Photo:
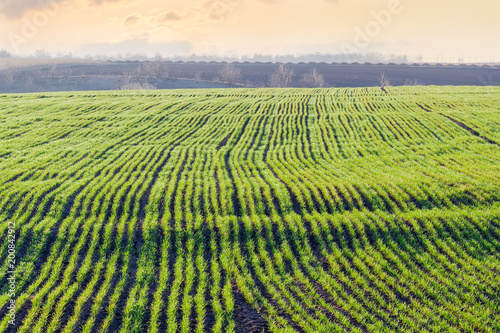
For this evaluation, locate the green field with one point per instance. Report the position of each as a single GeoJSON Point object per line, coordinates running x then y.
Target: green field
{"type": "Point", "coordinates": [326, 210]}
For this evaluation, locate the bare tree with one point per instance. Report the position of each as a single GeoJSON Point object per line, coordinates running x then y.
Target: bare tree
{"type": "Point", "coordinates": [10, 75]}
{"type": "Point", "coordinates": [384, 80]}
{"type": "Point", "coordinates": [156, 70]}
{"type": "Point", "coordinates": [282, 77]}
{"type": "Point", "coordinates": [64, 73]}
{"type": "Point", "coordinates": [313, 79]}
{"type": "Point", "coordinates": [53, 70]}
{"type": "Point", "coordinates": [197, 76]}
{"type": "Point", "coordinates": [32, 77]}
{"type": "Point", "coordinates": [145, 76]}
{"type": "Point", "coordinates": [230, 74]}
{"type": "Point", "coordinates": [131, 77]}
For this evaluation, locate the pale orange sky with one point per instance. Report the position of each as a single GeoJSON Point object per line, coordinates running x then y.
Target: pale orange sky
{"type": "Point", "coordinates": [244, 27]}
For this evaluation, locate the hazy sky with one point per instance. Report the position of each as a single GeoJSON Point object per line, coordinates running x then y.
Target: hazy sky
{"type": "Point", "coordinates": [235, 27]}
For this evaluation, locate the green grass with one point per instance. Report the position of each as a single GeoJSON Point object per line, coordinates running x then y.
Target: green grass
{"type": "Point", "coordinates": [326, 210]}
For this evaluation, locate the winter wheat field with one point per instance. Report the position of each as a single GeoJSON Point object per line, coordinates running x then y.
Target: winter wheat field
{"type": "Point", "coordinates": [251, 210]}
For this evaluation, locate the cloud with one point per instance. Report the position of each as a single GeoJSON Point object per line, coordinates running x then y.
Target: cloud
{"type": "Point", "coordinates": [100, 2]}
{"type": "Point", "coordinates": [201, 11]}
{"type": "Point", "coordinates": [171, 15]}
{"type": "Point", "coordinates": [219, 9]}
{"type": "Point", "coordinates": [17, 8]}
{"type": "Point", "coordinates": [132, 19]}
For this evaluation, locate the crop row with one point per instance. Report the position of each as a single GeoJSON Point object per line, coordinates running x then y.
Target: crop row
{"type": "Point", "coordinates": [281, 210]}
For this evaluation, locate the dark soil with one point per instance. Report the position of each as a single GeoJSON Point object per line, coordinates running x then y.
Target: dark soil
{"type": "Point", "coordinates": [470, 130]}
{"type": "Point", "coordinates": [247, 319]}
{"type": "Point", "coordinates": [192, 75]}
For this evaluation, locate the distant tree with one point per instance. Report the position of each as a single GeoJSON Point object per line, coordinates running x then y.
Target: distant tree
{"type": "Point", "coordinates": [5, 54]}
{"type": "Point", "coordinates": [384, 80]}
{"type": "Point", "coordinates": [230, 74]}
{"type": "Point", "coordinates": [313, 79]}
{"type": "Point", "coordinates": [282, 77]}
{"type": "Point", "coordinates": [42, 54]}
